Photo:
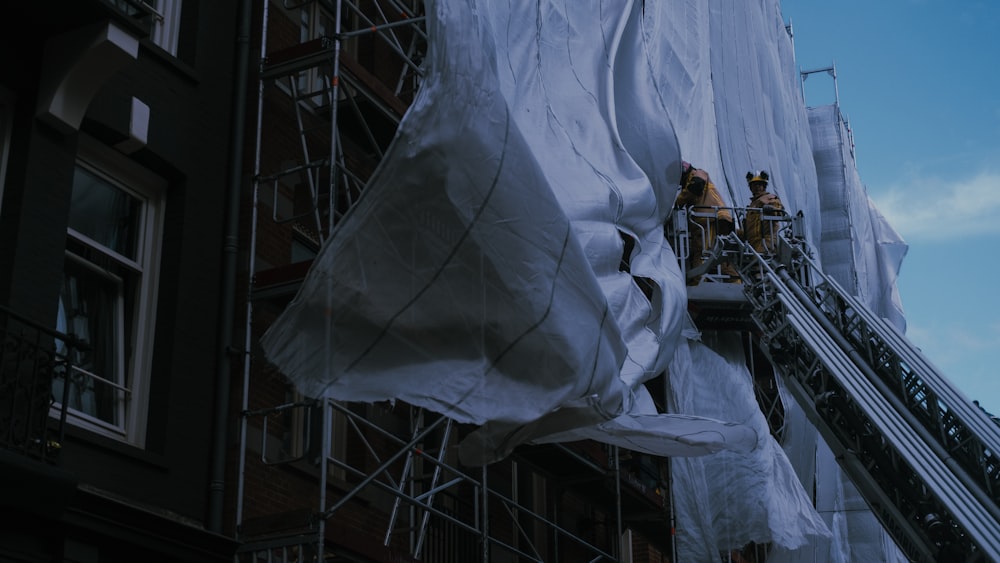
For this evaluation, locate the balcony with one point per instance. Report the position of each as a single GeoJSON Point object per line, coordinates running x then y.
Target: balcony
{"type": "Point", "coordinates": [31, 357]}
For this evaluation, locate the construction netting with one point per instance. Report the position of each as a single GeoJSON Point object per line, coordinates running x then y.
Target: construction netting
{"type": "Point", "coordinates": [481, 274]}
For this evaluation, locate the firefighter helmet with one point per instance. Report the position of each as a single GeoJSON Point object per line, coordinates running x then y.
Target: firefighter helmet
{"type": "Point", "coordinates": [757, 176]}
{"type": "Point", "coordinates": [686, 170]}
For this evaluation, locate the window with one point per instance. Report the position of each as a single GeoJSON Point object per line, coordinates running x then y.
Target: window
{"type": "Point", "coordinates": [108, 295]}
{"type": "Point", "coordinates": [167, 24]}
{"type": "Point", "coordinates": [304, 247]}
{"type": "Point", "coordinates": [315, 22]}
{"type": "Point", "coordinates": [6, 114]}
{"type": "Point", "coordinates": [305, 437]}
{"type": "Point", "coordinates": [166, 18]}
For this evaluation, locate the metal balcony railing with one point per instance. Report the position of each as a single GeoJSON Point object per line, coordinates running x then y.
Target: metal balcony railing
{"type": "Point", "coordinates": [29, 363]}
{"type": "Point", "coordinates": [135, 9]}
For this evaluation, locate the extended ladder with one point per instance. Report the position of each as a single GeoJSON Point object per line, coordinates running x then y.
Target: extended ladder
{"type": "Point", "coordinates": [922, 454]}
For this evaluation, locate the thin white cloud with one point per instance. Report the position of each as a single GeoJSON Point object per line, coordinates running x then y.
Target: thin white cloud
{"type": "Point", "coordinates": [960, 353]}
{"type": "Point", "coordinates": [936, 208]}
{"type": "Point", "coordinates": [951, 344]}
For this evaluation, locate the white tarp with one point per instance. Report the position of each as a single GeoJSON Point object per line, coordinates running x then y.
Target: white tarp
{"type": "Point", "coordinates": [735, 101]}
{"type": "Point", "coordinates": [851, 223]}
{"type": "Point", "coordinates": [727, 500]}
{"type": "Point", "coordinates": [480, 274]}
{"type": "Point", "coordinates": [863, 253]}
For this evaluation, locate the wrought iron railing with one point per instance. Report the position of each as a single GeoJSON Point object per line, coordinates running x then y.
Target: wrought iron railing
{"type": "Point", "coordinates": [135, 9]}
{"type": "Point", "coordinates": [31, 357]}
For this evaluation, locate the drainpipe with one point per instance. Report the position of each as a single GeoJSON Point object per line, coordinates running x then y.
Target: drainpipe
{"type": "Point", "coordinates": [230, 250]}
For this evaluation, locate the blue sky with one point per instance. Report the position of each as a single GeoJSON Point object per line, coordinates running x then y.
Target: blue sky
{"type": "Point", "coordinates": [919, 83]}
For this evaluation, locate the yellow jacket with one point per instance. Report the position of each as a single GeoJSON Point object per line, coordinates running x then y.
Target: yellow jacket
{"type": "Point", "coordinates": [705, 201]}
{"type": "Point", "coordinates": [760, 235]}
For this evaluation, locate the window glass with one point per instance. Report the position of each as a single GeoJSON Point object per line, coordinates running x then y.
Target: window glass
{"type": "Point", "coordinates": [166, 28]}
{"type": "Point", "coordinates": [106, 305]}
{"type": "Point", "coordinates": [315, 22]}
{"type": "Point", "coordinates": [165, 16]}
{"type": "Point", "coordinates": [90, 309]}
{"type": "Point", "coordinates": [6, 113]}
{"type": "Point", "coordinates": [302, 248]}
{"type": "Point", "coordinates": [104, 213]}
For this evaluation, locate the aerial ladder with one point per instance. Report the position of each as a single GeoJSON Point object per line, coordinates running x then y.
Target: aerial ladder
{"type": "Point", "coordinates": [923, 456]}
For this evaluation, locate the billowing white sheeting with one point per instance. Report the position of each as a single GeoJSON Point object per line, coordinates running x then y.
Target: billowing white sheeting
{"type": "Point", "coordinates": [680, 61]}
{"type": "Point", "coordinates": [800, 442]}
{"type": "Point", "coordinates": [676, 435]}
{"type": "Point", "coordinates": [604, 136]}
{"type": "Point", "coordinates": [847, 255]}
{"type": "Point", "coordinates": [851, 222]}
{"type": "Point", "coordinates": [890, 250]}
{"type": "Point", "coordinates": [731, 88]}
{"type": "Point", "coordinates": [480, 274]}
{"type": "Point", "coordinates": [457, 283]}
{"type": "Point", "coordinates": [863, 253]}
{"type": "Point", "coordinates": [733, 96]}
{"type": "Point", "coordinates": [761, 118]}
{"type": "Point", "coordinates": [727, 500]}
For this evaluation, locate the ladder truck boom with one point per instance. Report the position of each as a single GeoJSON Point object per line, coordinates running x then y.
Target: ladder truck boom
{"type": "Point", "coordinates": [924, 457]}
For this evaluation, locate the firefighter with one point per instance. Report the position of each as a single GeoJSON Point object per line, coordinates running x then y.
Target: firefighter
{"type": "Point", "coordinates": [699, 194]}
{"type": "Point", "coordinates": [761, 234]}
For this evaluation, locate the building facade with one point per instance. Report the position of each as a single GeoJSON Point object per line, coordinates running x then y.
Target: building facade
{"type": "Point", "coordinates": [115, 125]}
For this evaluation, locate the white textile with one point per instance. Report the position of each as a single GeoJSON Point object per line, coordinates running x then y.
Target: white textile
{"type": "Point", "coordinates": [726, 500]}
{"type": "Point", "coordinates": [480, 275]}
{"type": "Point", "coordinates": [483, 273]}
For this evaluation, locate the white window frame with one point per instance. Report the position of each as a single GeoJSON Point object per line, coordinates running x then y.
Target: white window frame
{"type": "Point", "coordinates": [310, 20]}
{"type": "Point", "coordinates": [117, 379]}
{"type": "Point", "coordinates": [136, 363]}
{"type": "Point", "coordinates": [166, 25]}
{"type": "Point", "coordinates": [307, 434]}
{"type": "Point", "coordinates": [6, 116]}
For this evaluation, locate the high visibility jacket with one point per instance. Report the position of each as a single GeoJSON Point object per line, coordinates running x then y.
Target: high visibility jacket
{"type": "Point", "coordinates": [702, 236]}
{"type": "Point", "coordinates": [708, 198]}
{"type": "Point", "coordinates": [759, 233]}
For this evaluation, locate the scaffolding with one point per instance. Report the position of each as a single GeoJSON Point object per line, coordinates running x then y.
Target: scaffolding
{"type": "Point", "coordinates": [320, 479]}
